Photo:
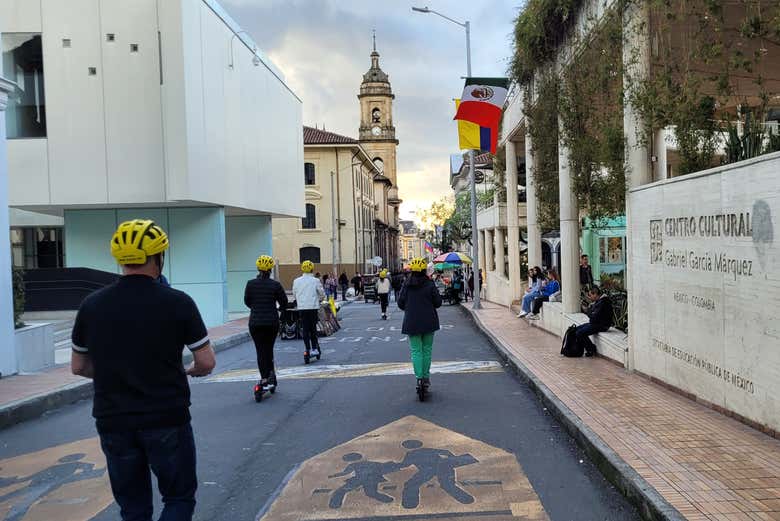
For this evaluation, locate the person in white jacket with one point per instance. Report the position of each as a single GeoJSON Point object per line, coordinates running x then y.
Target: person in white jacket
{"type": "Point", "coordinates": [308, 293]}
{"type": "Point", "coordinates": [383, 292]}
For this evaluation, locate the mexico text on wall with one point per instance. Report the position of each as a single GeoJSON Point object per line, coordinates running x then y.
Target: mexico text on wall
{"type": "Point", "coordinates": [705, 273]}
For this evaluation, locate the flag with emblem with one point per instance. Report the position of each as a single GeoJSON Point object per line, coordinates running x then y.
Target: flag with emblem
{"type": "Point", "coordinates": [482, 101]}
{"type": "Point", "coordinates": [474, 137]}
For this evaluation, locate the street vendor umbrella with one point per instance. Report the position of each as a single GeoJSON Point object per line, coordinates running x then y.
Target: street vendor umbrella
{"type": "Point", "coordinates": [453, 257]}
{"type": "Point", "coordinates": [441, 266]}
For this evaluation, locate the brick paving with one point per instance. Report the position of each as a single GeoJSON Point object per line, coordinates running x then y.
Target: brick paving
{"type": "Point", "coordinates": [20, 387]}
{"type": "Point", "coordinates": [708, 466]}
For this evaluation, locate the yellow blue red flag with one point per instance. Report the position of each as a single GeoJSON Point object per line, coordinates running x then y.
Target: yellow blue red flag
{"type": "Point", "coordinates": [475, 137]}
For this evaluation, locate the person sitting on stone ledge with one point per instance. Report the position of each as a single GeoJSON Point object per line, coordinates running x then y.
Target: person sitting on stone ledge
{"type": "Point", "coordinates": [534, 290]}
{"type": "Point", "coordinates": [551, 286]}
{"type": "Point", "coordinates": [600, 314]}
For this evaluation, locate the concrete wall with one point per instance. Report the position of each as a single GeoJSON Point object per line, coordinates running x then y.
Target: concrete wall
{"type": "Point", "coordinates": [704, 307]}
{"type": "Point", "coordinates": [7, 352]}
{"type": "Point", "coordinates": [144, 130]}
{"type": "Point", "coordinates": [195, 262]}
{"type": "Point", "coordinates": [247, 238]}
{"type": "Point", "coordinates": [497, 289]}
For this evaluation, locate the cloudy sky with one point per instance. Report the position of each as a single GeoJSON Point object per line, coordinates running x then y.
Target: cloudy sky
{"type": "Point", "coordinates": [323, 47]}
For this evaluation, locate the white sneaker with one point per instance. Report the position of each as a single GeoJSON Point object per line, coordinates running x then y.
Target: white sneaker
{"type": "Point", "coordinates": [522, 314]}
{"type": "Point", "coordinates": [533, 317]}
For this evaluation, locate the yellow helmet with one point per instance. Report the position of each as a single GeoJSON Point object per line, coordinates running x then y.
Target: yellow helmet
{"type": "Point", "coordinates": [134, 241]}
{"type": "Point", "coordinates": [383, 273]}
{"type": "Point", "coordinates": [307, 266]}
{"type": "Point", "coordinates": [418, 264]}
{"type": "Point", "coordinates": [265, 263]}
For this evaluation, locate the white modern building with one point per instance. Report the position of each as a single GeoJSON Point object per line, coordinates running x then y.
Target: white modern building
{"type": "Point", "coordinates": [160, 109]}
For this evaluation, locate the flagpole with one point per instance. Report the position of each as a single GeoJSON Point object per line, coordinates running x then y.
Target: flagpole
{"type": "Point", "coordinates": [476, 304]}
{"type": "Point", "coordinates": [472, 176]}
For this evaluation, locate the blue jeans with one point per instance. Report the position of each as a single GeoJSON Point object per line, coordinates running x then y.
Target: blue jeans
{"type": "Point", "coordinates": [170, 452]}
{"type": "Point", "coordinates": [583, 337]}
{"type": "Point", "coordinates": [528, 299]}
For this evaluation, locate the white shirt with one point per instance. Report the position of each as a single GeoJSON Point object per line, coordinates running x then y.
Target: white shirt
{"type": "Point", "coordinates": [308, 292]}
{"type": "Point", "coordinates": [383, 285]}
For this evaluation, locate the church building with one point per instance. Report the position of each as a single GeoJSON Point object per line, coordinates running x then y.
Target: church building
{"type": "Point", "coordinates": [351, 191]}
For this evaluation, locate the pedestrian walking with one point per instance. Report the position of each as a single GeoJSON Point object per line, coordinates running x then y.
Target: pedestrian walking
{"type": "Point", "coordinates": [357, 283]}
{"type": "Point", "coordinates": [397, 281]}
{"type": "Point", "coordinates": [419, 299]}
{"type": "Point", "coordinates": [308, 295]}
{"type": "Point", "coordinates": [332, 288]}
{"type": "Point", "coordinates": [343, 284]}
{"type": "Point", "coordinates": [262, 295]}
{"type": "Point", "coordinates": [128, 338]}
{"type": "Point", "coordinates": [383, 292]}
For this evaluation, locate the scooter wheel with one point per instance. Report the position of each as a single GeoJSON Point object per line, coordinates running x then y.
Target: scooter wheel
{"type": "Point", "coordinates": [421, 394]}
{"type": "Point", "coordinates": [259, 397]}
{"type": "Point", "coordinates": [306, 359]}
{"type": "Point", "coordinates": [318, 356]}
{"type": "Point", "coordinates": [272, 389]}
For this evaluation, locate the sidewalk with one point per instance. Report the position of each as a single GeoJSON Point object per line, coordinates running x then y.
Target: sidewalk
{"type": "Point", "coordinates": [704, 464]}
{"type": "Point", "coordinates": [27, 396]}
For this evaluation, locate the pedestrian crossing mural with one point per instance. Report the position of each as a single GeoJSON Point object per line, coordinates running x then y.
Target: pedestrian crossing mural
{"type": "Point", "coordinates": [68, 483]}
{"type": "Point", "coordinates": [408, 469]}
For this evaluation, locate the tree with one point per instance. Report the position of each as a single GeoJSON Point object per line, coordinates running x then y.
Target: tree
{"type": "Point", "coordinates": [437, 214]}
{"type": "Point", "coordinates": [458, 226]}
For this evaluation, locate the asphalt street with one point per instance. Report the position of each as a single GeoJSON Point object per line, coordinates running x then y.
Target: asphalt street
{"type": "Point", "coordinates": [343, 438]}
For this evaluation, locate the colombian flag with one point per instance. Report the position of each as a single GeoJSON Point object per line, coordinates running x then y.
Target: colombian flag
{"type": "Point", "coordinates": [481, 104]}
{"type": "Point", "coordinates": [428, 247]}
{"type": "Point", "coordinates": [474, 137]}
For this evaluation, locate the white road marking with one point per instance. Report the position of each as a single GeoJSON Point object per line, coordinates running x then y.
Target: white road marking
{"type": "Point", "coordinates": [358, 370]}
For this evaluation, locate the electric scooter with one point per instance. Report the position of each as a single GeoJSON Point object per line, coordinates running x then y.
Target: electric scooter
{"type": "Point", "coordinates": [261, 389]}
{"type": "Point", "coordinates": [315, 353]}
{"type": "Point", "coordinates": [422, 388]}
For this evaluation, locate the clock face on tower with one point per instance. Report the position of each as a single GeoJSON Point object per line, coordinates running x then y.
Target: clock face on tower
{"type": "Point", "coordinates": [376, 131]}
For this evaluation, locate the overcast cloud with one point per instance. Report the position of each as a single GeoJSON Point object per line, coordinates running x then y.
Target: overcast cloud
{"type": "Point", "coordinates": [323, 48]}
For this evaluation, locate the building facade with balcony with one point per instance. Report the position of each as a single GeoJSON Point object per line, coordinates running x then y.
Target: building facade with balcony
{"type": "Point", "coordinates": [148, 109]}
{"type": "Point", "coordinates": [338, 232]}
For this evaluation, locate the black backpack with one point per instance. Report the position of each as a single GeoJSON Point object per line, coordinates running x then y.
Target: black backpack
{"type": "Point", "coordinates": [570, 347]}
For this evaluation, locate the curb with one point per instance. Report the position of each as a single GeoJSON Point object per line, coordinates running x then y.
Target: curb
{"type": "Point", "coordinates": [651, 505]}
{"type": "Point", "coordinates": [38, 405]}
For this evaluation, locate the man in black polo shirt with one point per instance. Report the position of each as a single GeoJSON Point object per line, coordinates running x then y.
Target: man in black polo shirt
{"type": "Point", "coordinates": [128, 337]}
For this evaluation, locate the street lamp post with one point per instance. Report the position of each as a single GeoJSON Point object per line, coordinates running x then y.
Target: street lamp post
{"type": "Point", "coordinates": [472, 175]}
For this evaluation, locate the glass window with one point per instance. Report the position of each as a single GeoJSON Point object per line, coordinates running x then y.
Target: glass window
{"type": "Point", "coordinates": [611, 250]}
{"type": "Point", "coordinates": [25, 116]}
{"type": "Point", "coordinates": [310, 221]}
{"type": "Point", "coordinates": [308, 173]}
{"type": "Point", "coordinates": [310, 253]}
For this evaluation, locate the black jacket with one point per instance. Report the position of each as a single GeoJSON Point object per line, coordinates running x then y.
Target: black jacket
{"type": "Point", "coordinates": [586, 275]}
{"type": "Point", "coordinates": [419, 299]}
{"type": "Point", "coordinates": [600, 313]}
{"type": "Point", "coordinates": [261, 296]}
{"type": "Point", "coordinates": [343, 280]}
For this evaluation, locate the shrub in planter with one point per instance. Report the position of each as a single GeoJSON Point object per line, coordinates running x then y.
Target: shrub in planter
{"type": "Point", "coordinates": [18, 284]}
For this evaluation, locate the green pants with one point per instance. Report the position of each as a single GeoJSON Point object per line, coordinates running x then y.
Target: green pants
{"type": "Point", "coordinates": [421, 347]}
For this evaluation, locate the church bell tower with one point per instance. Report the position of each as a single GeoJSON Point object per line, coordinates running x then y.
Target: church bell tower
{"type": "Point", "coordinates": [377, 133]}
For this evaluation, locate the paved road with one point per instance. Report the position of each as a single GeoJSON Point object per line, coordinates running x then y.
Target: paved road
{"type": "Point", "coordinates": [343, 438]}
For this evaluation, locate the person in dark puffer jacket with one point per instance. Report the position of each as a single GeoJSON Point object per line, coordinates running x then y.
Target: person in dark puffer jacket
{"type": "Point", "coordinates": [261, 296]}
{"type": "Point", "coordinates": [419, 299]}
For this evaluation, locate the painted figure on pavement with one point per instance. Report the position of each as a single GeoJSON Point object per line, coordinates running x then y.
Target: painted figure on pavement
{"type": "Point", "coordinates": [430, 463]}
{"type": "Point", "coordinates": [68, 470]}
{"type": "Point", "coordinates": [366, 474]}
